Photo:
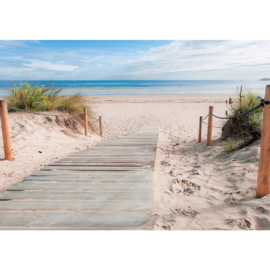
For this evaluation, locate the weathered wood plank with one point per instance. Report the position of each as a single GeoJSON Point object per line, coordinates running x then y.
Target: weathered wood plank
{"type": "Point", "coordinates": [75, 206]}
{"type": "Point", "coordinates": [80, 163]}
{"type": "Point", "coordinates": [107, 159]}
{"type": "Point", "coordinates": [139, 154]}
{"type": "Point", "coordinates": [90, 168]}
{"type": "Point", "coordinates": [52, 219]}
{"type": "Point", "coordinates": [102, 179]}
{"type": "Point", "coordinates": [96, 173]}
{"type": "Point", "coordinates": [75, 196]}
{"type": "Point", "coordinates": [115, 155]}
{"type": "Point", "coordinates": [83, 187]}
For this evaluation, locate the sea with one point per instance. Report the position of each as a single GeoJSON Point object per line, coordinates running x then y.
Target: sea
{"type": "Point", "coordinates": [141, 87]}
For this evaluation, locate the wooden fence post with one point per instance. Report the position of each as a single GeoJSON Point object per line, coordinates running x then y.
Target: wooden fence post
{"type": "Point", "coordinates": [85, 122]}
{"type": "Point", "coordinates": [5, 130]}
{"type": "Point", "coordinates": [200, 130]}
{"type": "Point", "coordinates": [210, 123]}
{"type": "Point", "coordinates": [100, 126]}
{"type": "Point", "coordinates": [263, 181]}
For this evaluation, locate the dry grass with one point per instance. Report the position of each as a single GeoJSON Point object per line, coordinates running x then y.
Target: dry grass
{"type": "Point", "coordinates": [44, 99]}
{"type": "Point", "coordinates": [35, 99]}
{"type": "Point", "coordinates": [246, 127]}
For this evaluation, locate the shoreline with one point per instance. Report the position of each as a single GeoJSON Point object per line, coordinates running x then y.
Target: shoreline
{"type": "Point", "coordinates": [215, 98]}
{"type": "Point", "coordinates": [117, 90]}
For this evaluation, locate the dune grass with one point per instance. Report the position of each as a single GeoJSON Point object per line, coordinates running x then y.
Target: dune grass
{"type": "Point", "coordinates": [35, 98]}
{"type": "Point", "coordinates": [247, 127]}
{"type": "Point", "coordinates": [246, 101]}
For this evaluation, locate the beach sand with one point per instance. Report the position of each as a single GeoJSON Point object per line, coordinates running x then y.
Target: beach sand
{"type": "Point", "coordinates": [195, 187]}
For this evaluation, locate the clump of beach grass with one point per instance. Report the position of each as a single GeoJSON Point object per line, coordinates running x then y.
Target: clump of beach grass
{"type": "Point", "coordinates": [39, 98]}
{"type": "Point", "coordinates": [35, 98]}
{"type": "Point", "coordinates": [229, 147]}
{"type": "Point", "coordinates": [246, 127]}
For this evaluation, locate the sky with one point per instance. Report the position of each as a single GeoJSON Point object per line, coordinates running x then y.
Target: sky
{"type": "Point", "coordinates": [134, 60]}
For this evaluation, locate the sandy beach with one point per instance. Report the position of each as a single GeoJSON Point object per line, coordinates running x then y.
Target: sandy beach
{"type": "Point", "coordinates": [195, 187]}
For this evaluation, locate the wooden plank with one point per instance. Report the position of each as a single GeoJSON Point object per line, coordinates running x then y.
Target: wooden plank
{"type": "Point", "coordinates": [118, 145]}
{"type": "Point", "coordinates": [75, 206]}
{"type": "Point", "coordinates": [130, 142]}
{"type": "Point", "coordinates": [116, 154]}
{"type": "Point", "coordinates": [102, 161]}
{"type": "Point", "coordinates": [120, 151]}
{"type": "Point", "coordinates": [110, 159]}
{"type": "Point", "coordinates": [83, 186]}
{"type": "Point", "coordinates": [75, 196]}
{"type": "Point", "coordinates": [89, 168]}
{"type": "Point", "coordinates": [138, 154]}
{"type": "Point", "coordinates": [98, 173]}
{"type": "Point", "coordinates": [40, 219]}
{"type": "Point", "coordinates": [120, 148]}
{"type": "Point", "coordinates": [42, 179]}
{"type": "Point", "coordinates": [78, 163]}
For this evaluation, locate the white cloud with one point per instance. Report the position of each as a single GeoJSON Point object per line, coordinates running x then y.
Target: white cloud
{"type": "Point", "coordinates": [49, 65]}
{"type": "Point", "coordinates": [188, 56]}
{"type": "Point", "coordinates": [12, 43]}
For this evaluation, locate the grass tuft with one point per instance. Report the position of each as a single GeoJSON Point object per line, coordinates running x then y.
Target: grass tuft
{"type": "Point", "coordinates": [247, 127]}
{"type": "Point", "coordinates": [44, 99]}
{"type": "Point", "coordinates": [38, 98]}
{"type": "Point", "coordinates": [229, 147]}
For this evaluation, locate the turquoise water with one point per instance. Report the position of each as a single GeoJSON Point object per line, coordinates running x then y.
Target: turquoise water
{"type": "Point", "coordinates": [145, 87]}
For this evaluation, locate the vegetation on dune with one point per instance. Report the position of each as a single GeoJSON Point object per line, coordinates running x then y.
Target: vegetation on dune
{"type": "Point", "coordinates": [35, 98]}
{"type": "Point", "coordinates": [247, 127]}
{"type": "Point", "coordinates": [229, 147]}
{"type": "Point", "coordinates": [44, 99]}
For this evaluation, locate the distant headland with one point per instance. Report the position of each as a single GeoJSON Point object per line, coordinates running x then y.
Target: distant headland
{"type": "Point", "coordinates": [265, 79]}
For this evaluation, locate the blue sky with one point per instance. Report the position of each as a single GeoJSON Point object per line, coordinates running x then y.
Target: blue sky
{"type": "Point", "coordinates": [134, 60]}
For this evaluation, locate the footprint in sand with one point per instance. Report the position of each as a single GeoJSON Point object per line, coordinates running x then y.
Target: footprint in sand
{"type": "Point", "coordinates": [188, 213]}
{"type": "Point", "coordinates": [184, 186]}
{"type": "Point", "coordinates": [241, 223]}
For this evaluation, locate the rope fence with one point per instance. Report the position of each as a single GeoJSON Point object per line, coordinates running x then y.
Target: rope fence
{"type": "Point", "coordinates": [212, 125]}
{"type": "Point", "coordinates": [56, 115]}
{"type": "Point", "coordinates": [263, 180]}
{"type": "Point", "coordinates": [5, 125]}
{"type": "Point", "coordinates": [262, 103]}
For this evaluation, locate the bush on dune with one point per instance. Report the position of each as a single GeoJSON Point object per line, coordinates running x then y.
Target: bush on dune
{"type": "Point", "coordinates": [246, 127]}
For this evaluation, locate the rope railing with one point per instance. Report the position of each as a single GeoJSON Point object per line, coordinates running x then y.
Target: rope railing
{"type": "Point", "coordinates": [263, 102]}
{"type": "Point", "coordinates": [210, 115]}
{"type": "Point", "coordinates": [56, 115]}
{"type": "Point", "coordinates": [212, 125]}
{"type": "Point", "coordinates": [205, 117]}
{"type": "Point", "coordinates": [5, 125]}
{"type": "Point", "coordinates": [263, 179]}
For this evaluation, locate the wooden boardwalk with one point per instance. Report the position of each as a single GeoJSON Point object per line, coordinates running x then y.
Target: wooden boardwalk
{"type": "Point", "coordinates": [108, 186]}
